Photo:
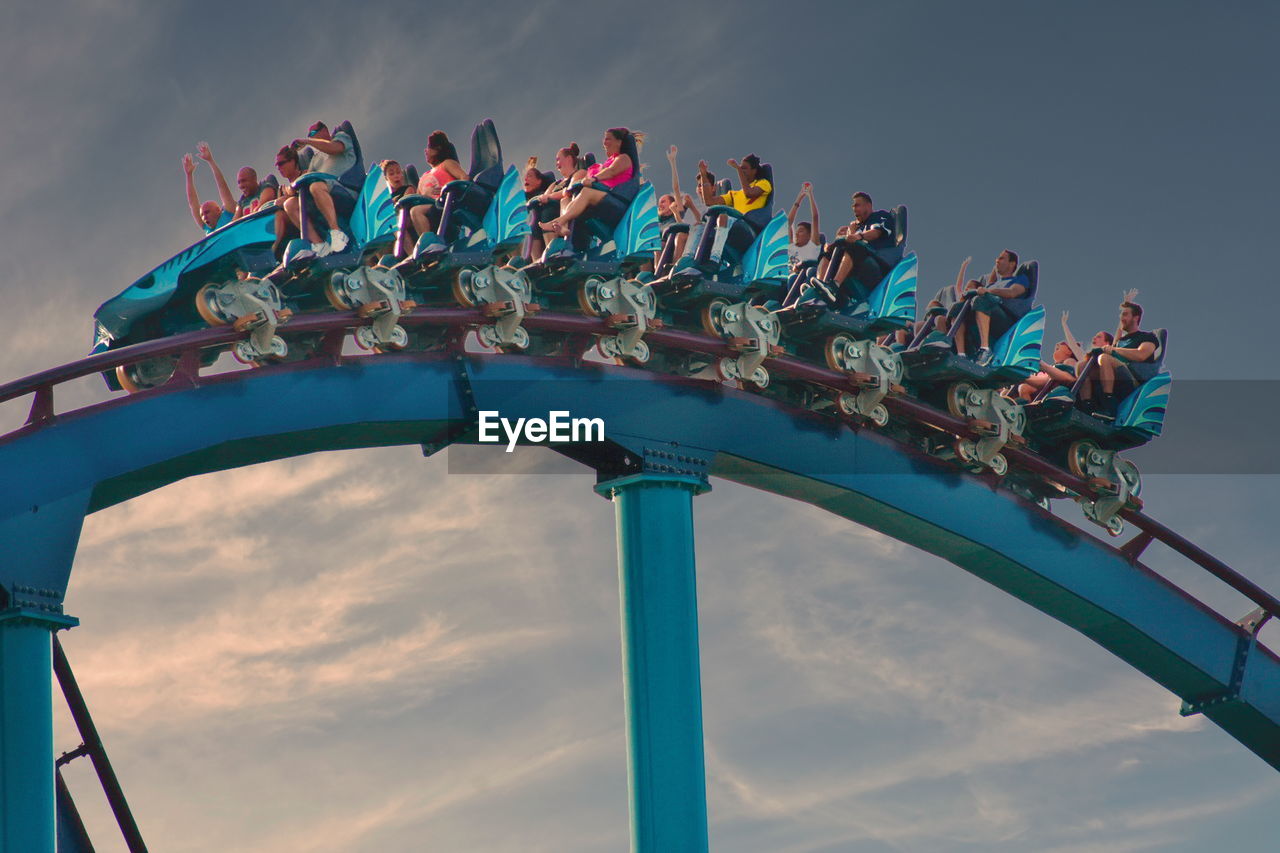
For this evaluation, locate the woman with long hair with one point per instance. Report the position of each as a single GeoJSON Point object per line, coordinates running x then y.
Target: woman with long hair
{"type": "Point", "coordinates": [442, 157]}
{"type": "Point", "coordinates": [617, 169]}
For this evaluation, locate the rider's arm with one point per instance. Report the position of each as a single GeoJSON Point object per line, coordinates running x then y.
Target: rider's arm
{"type": "Point", "coordinates": [454, 168]}
{"type": "Point", "coordinates": [1072, 343]}
{"type": "Point", "coordinates": [325, 146]}
{"type": "Point", "coordinates": [1141, 352]}
{"type": "Point", "coordinates": [193, 200]}
{"type": "Point", "coordinates": [813, 208]}
{"type": "Point", "coordinates": [617, 167]}
{"type": "Point", "coordinates": [1013, 291]}
{"type": "Point", "coordinates": [964, 265]}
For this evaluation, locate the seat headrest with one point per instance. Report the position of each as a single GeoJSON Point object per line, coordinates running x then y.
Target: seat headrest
{"type": "Point", "coordinates": [1030, 269]}
{"type": "Point", "coordinates": [589, 160]}
{"type": "Point", "coordinates": [900, 225]}
{"type": "Point", "coordinates": [630, 148]}
{"type": "Point", "coordinates": [353, 177]}
{"type": "Point", "coordinates": [486, 151]}
{"type": "Point", "coordinates": [411, 176]}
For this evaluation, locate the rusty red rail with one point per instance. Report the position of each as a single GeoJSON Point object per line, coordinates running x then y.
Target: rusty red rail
{"type": "Point", "coordinates": [188, 345]}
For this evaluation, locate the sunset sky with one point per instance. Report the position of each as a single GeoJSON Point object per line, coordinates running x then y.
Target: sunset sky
{"type": "Point", "coordinates": [346, 652]}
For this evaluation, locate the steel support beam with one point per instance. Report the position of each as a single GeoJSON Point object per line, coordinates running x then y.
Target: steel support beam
{"type": "Point", "coordinates": [28, 814]}
{"type": "Point", "coordinates": [661, 673]}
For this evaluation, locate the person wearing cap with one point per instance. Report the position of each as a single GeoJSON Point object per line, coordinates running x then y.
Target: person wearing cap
{"type": "Point", "coordinates": [331, 155]}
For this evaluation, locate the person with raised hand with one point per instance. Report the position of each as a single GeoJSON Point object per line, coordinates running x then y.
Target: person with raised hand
{"type": "Point", "coordinates": [208, 215]}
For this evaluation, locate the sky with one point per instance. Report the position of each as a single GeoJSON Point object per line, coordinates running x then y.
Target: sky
{"type": "Point", "coordinates": [337, 653]}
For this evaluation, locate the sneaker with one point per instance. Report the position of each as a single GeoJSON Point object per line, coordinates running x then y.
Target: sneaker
{"type": "Point", "coordinates": [321, 249]}
{"type": "Point", "coordinates": [824, 288]}
{"type": "Point", "coordinates": [984, 356]}
{"type": "Point", "coordinates": [337, 240]}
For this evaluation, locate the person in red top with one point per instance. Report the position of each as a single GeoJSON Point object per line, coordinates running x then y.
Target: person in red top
{"type": "Point", "coordinates": [616, 169]}
{"type": "Point", "coordinates": [442, 157]}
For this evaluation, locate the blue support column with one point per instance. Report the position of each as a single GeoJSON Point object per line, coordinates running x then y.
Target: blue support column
{"type": "Point", "coordinates": [661, 680]}
{"type": "Point", "coordinates": [28, 819]}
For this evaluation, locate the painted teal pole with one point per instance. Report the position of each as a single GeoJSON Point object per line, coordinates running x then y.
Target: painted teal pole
{"type": "Point", "coordinates": [27, 808]}
{"type": "Point", "coordinates": [661, 673]}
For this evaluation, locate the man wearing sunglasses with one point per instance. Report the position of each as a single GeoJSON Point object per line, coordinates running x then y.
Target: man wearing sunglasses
{"type": "Point", "coordinates": [330, 157]}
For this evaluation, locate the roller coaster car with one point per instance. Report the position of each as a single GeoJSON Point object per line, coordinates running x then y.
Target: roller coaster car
{"type": "Point", "coordinates": [1089, 447]}
{"type": "Point", "coordinates": [479, 217]}
{"type": "Point", "coordinates": [1055, 423]}
{"type": "Point", "coordinates": [594, 269]}
{"type": "Point", "coordinates": [301, 267]}
{"type": "Point", "coordinates": [1015, 354]}
{"type": "Point", "coordinates": [159, 304]}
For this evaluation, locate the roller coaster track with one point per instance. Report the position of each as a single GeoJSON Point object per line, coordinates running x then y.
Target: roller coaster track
{"type": "Point", "coordinates": [59, 466]}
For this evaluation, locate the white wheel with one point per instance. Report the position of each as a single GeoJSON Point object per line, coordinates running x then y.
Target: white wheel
{"type": "Point", "coordinates": [488, 336]}
{"type": "Point", "coordinates": [519, 338]}
{"type": "Point", "coordinates": [880, 416]}
{"type": "Point", "coordinates": [244, 353]}
{"type": "Point", "coordinates": [727, 368]}
{"type": "Point", "coordinates": [640, 353]}
{"type": "Point", "coordinates": [999, 465]}
{"type": "Point", "coordinates": [1115, 525]}
{"type": "Point", "coordinates": [760, 377]}
{"type": "Point", "coordinates": [364, 337]}
{"type": "Point", "coordinates": [399, 339]}
{"type": "Point", "coordinates": [279, 349]}
{"type": "Point", "coordinates": [848, 403]}
{"type": "Point", "coordinates": [1132, 479]}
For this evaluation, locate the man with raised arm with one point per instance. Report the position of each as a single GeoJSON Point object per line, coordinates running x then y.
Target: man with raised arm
{"type": "Point", "coordinates": [254, 193]}
{"type": "Point", "coordinates": [1122, 366]}
{"type": "Point", "coordinates": [331, 155]}
{"type": "Point", "coordinates": [209, 215]}
{"type": "Point", "coordinates": [1002, 299]}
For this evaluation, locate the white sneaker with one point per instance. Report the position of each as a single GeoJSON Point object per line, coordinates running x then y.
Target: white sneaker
{"type": "Point", "coordinates": [338, 240]}
{"type": "Point", "coordinates": [321, 249]}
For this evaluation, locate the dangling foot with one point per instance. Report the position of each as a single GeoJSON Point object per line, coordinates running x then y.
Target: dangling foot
{"type": "Point", "coordinates": [337, 240]}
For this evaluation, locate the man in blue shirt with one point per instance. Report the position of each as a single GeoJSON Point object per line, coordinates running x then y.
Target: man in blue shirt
{"type": "Point", "coordinates": [996, 305]}
{"type": "Point", "coordinates": [870, 234]}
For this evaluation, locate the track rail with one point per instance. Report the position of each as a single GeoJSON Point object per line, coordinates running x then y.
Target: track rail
{"type": "Point", "coordinates": [187, 346]}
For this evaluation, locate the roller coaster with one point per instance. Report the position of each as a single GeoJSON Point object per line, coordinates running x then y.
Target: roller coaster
{"type": "Point", "coordinates": [694, 376]}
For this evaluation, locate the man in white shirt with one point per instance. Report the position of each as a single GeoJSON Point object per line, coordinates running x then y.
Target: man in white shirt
{"type": "Point", "coordinates": [331, 156]}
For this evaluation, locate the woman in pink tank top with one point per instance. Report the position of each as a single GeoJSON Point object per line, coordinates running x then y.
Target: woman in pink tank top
{"type": "Point", "coordinates": [442, 156]}
{"type": "Point", "coordinates": [617, 169]}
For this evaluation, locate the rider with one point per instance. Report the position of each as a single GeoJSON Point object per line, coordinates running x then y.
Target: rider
{"type": "Point", "coordinates": [393, 174]}
{"type": "Point", "coordinates": [616, 170]}
{"type": "Point", "coordinates": [253, 193]}
{"type": "Point", "coordinates": [442, 157]}
{"type": "Point", "coordinates": [754, 195]}
{"type": "Point", "coordinates": [331, 156]}
{"type": "Point", "coordinates": [870, 232]}
{"type": "Point", "coordinates": [1001, 302]}
{"type": "Point", "coordinates": [555, 198]}
{"type": "Point", "coordinates": [209, 215]}
{"type": "Point", "coordinates": [1122, 366]}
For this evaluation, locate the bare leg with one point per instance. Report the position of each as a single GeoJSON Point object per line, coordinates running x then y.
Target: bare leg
{"type": "Point", "coordinates": [587, 197]}
{"type": "Point", "coordinates": [324, 203]}
{"type": "Point", "coordinates": [846, 267]}
{"type": "Point", "coordinates": [1107, 369]}
{"type": "Point", "coordinates": [984, 329]}
{"type": "Point", "coordinates": [291, 209]}
{"type": "Point", "coordinates": [961, 334]}
{"type": "Point", "coordinates": [418, 216]}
